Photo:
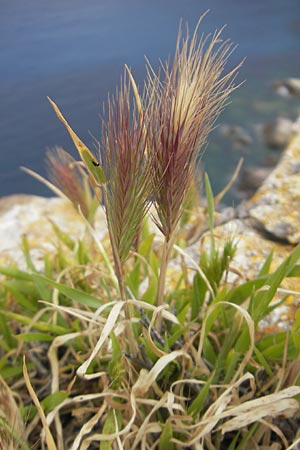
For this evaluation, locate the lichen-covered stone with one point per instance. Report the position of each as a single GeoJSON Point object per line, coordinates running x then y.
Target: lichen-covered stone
{"type": "Point", "coordinates": [276, 205]}
{"type": "Point", "coordinates": [30, 215]}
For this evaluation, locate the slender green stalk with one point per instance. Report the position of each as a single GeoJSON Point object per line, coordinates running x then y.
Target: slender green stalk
{"type": "Point", "coordinates": [165, 256]}
{"type": "Point", "coordinates": [162, 273]}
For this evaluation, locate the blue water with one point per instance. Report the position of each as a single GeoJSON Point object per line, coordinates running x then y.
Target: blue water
{"type": "Point", "coordinates": [74, 51]}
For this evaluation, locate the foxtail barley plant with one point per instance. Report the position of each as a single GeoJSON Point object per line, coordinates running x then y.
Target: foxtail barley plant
{"type": "Point", "coordinates": [126, 169]}
{"type": "Point", "coordinates": [183, 101]}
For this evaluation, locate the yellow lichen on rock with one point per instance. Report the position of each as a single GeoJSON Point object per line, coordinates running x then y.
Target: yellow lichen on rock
{"type": "Point", "coordinates": [276, 205]}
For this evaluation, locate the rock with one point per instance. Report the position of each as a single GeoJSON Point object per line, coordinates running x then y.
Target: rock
{"type": "Point", "coordinates": [275, 206]}
{"type": "Point", "coordinates": [251, 178]}
{"type": "Point", "coordinates": [30, 215]}
{"type": "Point", "coordinates": [238, 135]}
{"type": "Point", "coordinates": [289, 87]}
{"type": "Point", "coordinates": [278, 133]}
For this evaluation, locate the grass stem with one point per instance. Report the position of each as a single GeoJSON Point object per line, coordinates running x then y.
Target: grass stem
{"type": "Point", "coordinates": [165, 256]}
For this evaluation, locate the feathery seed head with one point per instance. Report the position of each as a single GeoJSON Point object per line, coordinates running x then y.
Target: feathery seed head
{"type": "Point", "coordinates": [184, 101]}
{"type": "Point", "coordinates": [65, 173]}
{"type": "Point", "coordinates": [126, 169]}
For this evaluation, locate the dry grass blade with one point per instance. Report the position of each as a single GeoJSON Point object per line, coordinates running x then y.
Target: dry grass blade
{"type": "Point", "coordinates": [294, 445]}
{"type": "Point", "coordinates": [156, 310]}
{"type": "Point", "coordinates": [108, 327]}
{"type": "Point", "coordinates": [214, 413]}
{"type": "Point", "coordinates": [233, 178]}
{"type": "Point", "coordinates": [239, 416]}
{"type": "Point", "coordinates": [47, 183]}
{"type": "Point", "coordinates": [272, 405]}
{"type": "Point", "coordinates": [250, 324]}
{"type": "Point", "coordinates": [53, 357]}
{"type": "Point", "coordinates": [59, 341]}
{"type": "Point", "coordinates": [12, 427]}
{"type": "Point", "coordinates": [77, 400]}
{"type": "Point", "coordinates": [268, 426]}
{"type": "Point", "coordinates": [48, 436]}
{"type": "Point", "coordinates": [87, 427]}
{"type": "Point", "coordinates": [86, 155]}
{"type": "Point", "coordinates": [146, 379]}
{"type": "Point", "coordinates": [147, 427]}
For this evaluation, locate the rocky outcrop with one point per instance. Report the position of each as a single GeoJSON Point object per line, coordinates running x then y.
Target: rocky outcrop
{"type": "Point", "coordinates": [275, 206]}
{"type": "Point", "coordinates": [31, 216]}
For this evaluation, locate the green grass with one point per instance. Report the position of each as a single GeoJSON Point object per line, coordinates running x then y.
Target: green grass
{"type": "Point", "coordinates": [169, 388]}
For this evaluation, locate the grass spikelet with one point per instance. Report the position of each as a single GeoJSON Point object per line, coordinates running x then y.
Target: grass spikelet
{"type": "Point", "coordinates": [65, 173]}
{"type": "Point", "coordinates": [68, 179]}
{"type": "Point", "coordinates": [126, 170]}
{"type": "Point", "coordinates": [185, 100]}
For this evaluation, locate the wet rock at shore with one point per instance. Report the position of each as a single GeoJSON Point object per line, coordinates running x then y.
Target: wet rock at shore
{"type": "Point", "coordinates": [251, 178]}
{"type": "Point", "coordinates": [237, 134]}
{"type": "Point", "coordinates": [290, 87]}
{"type": "Point", "coordinates": [278, 133]}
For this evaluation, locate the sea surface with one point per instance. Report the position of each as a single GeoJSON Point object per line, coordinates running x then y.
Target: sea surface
{"type": "Point", "coordinates": [74, 51]}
